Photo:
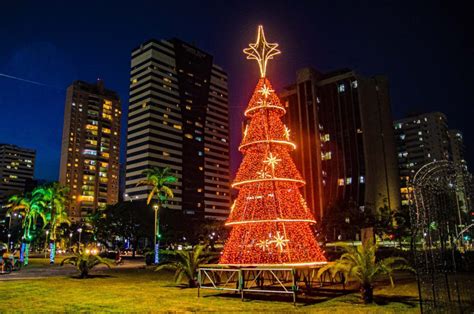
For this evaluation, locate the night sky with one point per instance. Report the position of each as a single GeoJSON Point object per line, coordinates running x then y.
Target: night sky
{"type": "Point", "coordinates": [425, 49]}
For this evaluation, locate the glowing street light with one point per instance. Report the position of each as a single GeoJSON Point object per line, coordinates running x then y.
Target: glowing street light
{"type": "Point", "coordinates": [156, 241]}
{"type": "Point", "coordinates": [70, 240]}
{"type": "Point", "coordinates": [80, 233]}
{"type": "Point", "coordinates": [46, 242]}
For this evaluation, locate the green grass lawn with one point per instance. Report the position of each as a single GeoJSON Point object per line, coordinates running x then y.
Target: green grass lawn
{"type": "Point", "coordinates": [141, 290]}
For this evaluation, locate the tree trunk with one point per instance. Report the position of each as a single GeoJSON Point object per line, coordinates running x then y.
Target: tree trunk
{"type": "Point", "coordinates": [26, 253]}
{"type": "Point", "coordinates": [193, 283]}
{"type": "Point", "coordinates": [52, 253]}
{"type": "Point", "coordinates": [84, 273]}
{"type": "Point", "coordinates": [84, 269]}
{"type": "Point", "coordinates": [22, 251]}
{"type": "Point", "coordinates": [367, 292]}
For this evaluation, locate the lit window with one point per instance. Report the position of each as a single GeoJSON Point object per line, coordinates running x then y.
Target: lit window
{"type": "Point", "coordinates": [90, 152]}
{"type": "Point", "coordinates": [348, 180]}
{"type": "Point", "coordinates": [91, 127]}
{"type": "Point", "coordinates": [326, 155]}
{"type": "Point", "coordinates": [177, 126]}
{"type": "Point", "coordinates": [200, 153]}
{"type": "Point", "coordinates": [166, 154]}
{"type": "Point", "coordinates": [187, 135]}
{"type": "Point", "coordinates": [402, 136]}
{"type": "Point", "coordinates": [361, 179]}
{"type": "Point", "coordinates": [340, 182]}
{"type": "Point", "coordinates": [354, 84]}
{"type": "Point", "coordinates": [341, 88]}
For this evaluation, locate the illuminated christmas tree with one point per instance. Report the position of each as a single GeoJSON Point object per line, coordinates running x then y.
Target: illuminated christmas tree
{"type": "Point", "coordinates": [271, 223]}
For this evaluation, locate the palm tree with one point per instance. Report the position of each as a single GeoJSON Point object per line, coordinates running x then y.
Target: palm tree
{"type": "Point", "coordinates": [186, 263]}
{"type": "Point", "coordinates": [54, 198]}
{"type": "Point", "coordinates": [158, 179]}
{"type": "Point", "coordinates": [85, 261]}
{"type": "Point", "coordinates": [359, 264]}
{"type": "Point", "coordinates": [30, 209]}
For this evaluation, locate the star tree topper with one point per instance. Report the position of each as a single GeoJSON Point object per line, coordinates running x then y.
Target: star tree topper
{"type": "Point", "coordinates": [262, 51]}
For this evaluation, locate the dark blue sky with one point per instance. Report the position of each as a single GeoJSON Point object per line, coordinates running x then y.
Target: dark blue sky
{"type": "Point", "coordinates": [425, 48]}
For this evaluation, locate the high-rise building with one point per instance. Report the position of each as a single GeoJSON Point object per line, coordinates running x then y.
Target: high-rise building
{"type": "Point", "coordinates": [178, 118]}
{"type": "Point", "coordinates": [463, 177]}
{"type": "Point", "coordinates": [420, 140]}
{"type": "Point", "coordinates": [341, 123]}
{"type": "Point", "coordinates": [457, 149]}
{"type": "Point", "coordinates": [17, 167]}
{"type": "Point", "coordinates": [90, 147]}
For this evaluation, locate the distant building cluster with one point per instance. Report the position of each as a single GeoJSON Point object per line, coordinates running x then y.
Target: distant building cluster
{"type": "Point", "coordinates": [17, 167]}
{"type": "Point", "coordinates": [425, 138]}
{"type": "Point", "coordinates": [349, 149]}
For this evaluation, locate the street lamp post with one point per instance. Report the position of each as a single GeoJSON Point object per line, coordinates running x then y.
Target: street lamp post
{"type": "Point", "coordinates": [9, 228]}
{"type": "Point", "coordinates": [70, 241]}
{"type": "Point", "coordinates": [80, 233]}
{"type": "Point", "coordinates": [8, 244]}
{"type": "Point", "coordinates": [156, 241]}
{"type": "Point", "coordinates": [45, 243]}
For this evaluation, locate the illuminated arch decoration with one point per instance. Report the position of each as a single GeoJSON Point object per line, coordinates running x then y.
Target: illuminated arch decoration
{"type": "Point", "coordinates": [270, 221]}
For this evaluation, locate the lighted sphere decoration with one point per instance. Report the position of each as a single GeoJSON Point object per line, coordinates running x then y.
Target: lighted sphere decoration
{"type": "Point", "coordinates": [271, 223]}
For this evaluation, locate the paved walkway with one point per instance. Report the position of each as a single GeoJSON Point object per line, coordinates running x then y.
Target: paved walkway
{"type": "Point", "coordinates": [40, 272]}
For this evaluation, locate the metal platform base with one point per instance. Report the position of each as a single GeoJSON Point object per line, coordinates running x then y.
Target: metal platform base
{"type": "Point", "coordinates": [277, 279]}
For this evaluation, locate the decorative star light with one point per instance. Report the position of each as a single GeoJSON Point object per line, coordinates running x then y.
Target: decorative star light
{"type": "Point", "coordinates": [262, 51]}
{"type": "Point", "coordinates": [272, 161]}
{"type": "Point", "coordinates": [266, 91]}
{"type": "Point", "coordinates": [262, 174]}
{"type": "Point", "coordinates": [263, 244]}
{"type": "Point", "coordinates": [287, 133]}
{"type": "Point", "coordinates": [279, 241]}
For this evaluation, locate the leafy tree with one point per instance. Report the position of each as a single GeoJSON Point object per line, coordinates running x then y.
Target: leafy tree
{"type": "Point", "coordinates": [54, 199]}
{"type": "Point", "coordinates": [125, 220]}
{"type": "Point", "coordinates": [359, 264]}
{"type": "Point", "coordinates": [30, 208]}
{"type": "Point", "coordinates": [186, 263]}
{"type": "Point", "coordinates": [158, 179]}
{"type": "Point", "coordinates": [345, 219]}
{"type": "Point", "coordinates": [85, 261]}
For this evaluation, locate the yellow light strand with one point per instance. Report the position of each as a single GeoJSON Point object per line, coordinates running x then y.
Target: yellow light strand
{"type": "Point", "coordinates": [311, 221]}
{"type": "Point", "coordinates": [235, 184]}
{"type": "Point", "coordinates": [268, 142]}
